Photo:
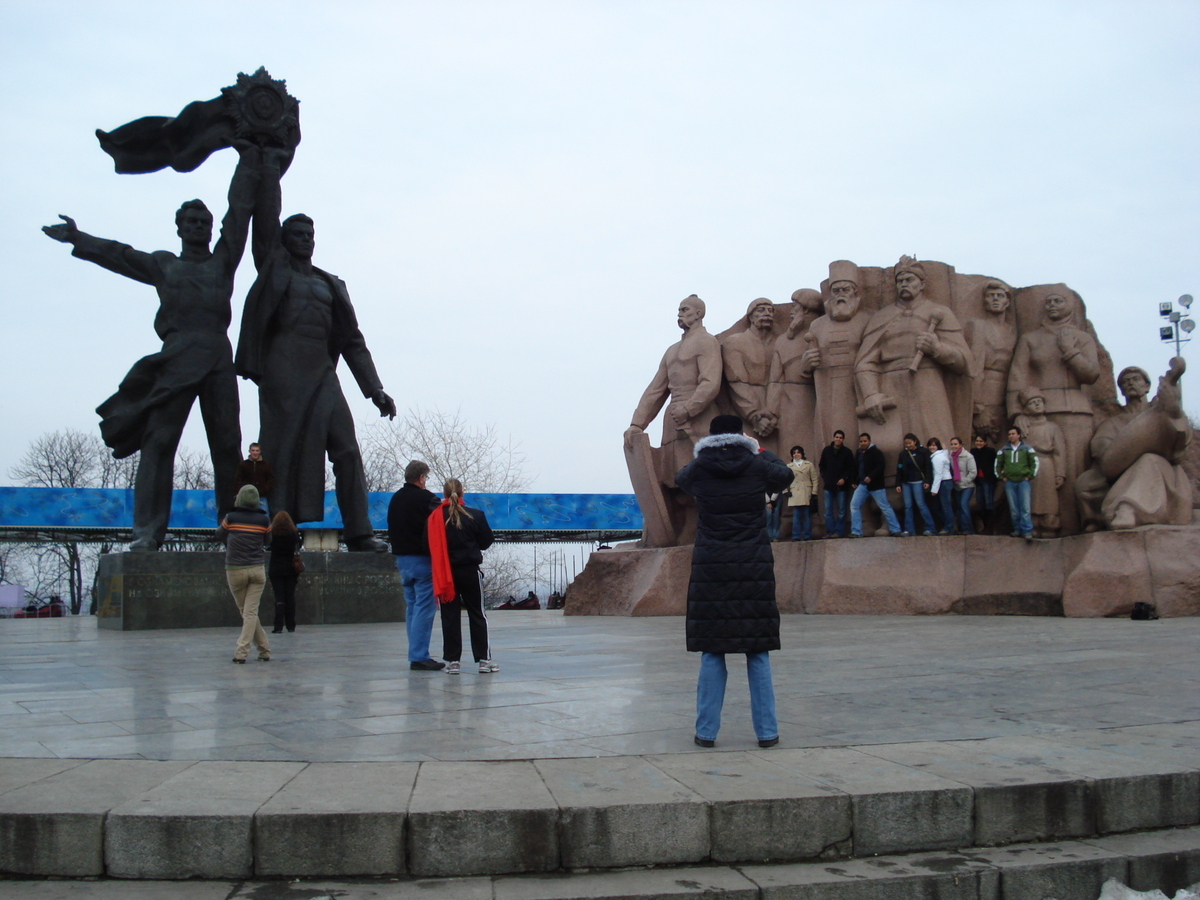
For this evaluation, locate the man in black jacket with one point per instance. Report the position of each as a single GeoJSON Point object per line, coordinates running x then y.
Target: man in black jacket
{"type": "Point", "coordinates": [837, 472]}
{"type": "Point", "coordinates": [870, 483]}
{"type": "Point", "coordinates": [407, 513]}
{"type": "Point", "coordinates": [731, 596]}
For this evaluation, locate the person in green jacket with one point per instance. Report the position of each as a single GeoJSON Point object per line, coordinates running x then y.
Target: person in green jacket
{"type": "Point", "coordinates": [1016, 464]}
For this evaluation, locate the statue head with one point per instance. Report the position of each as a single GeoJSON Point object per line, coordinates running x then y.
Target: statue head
{"type": "Point", "coordinates": [997, 297]}
{"type": "Point", "coordinates": [844, 300]}
{"type": "Point", "coordinates": [193, 223]}
{"type": "Point", "coordinates": [806, 307]}
{"type": "Point", "coordinates": [298, 236]}
{"type": "Point", "coordinates": [910, 278]}
{"type": "Point", "coordinates": [1060, 307]}
{"type": "Point", "coordinates": [1133, 382]}
{"type": "Point", "coordinates": [1032, 400]}
{"type": "Point", "coordinates": [761, 314]}
{"type": "Point", "coordinates": [691, 312]}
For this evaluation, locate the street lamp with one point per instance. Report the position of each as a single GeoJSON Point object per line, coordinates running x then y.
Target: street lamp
{"type": "Point", "coordinates": [1179, 325]}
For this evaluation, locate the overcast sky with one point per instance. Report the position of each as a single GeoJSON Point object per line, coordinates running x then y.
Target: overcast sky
{"type": "Point", "coordinates": [519, 194]}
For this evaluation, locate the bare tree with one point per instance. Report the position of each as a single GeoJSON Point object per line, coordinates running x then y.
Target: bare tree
{"type": "Point", "coordinates": [453, 448]}
{"type": "Point", "coordinates": [193, 471]}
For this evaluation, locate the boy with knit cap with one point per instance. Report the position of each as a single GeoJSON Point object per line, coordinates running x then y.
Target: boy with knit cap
{"type": "Point", "coordinates": [245, 531]}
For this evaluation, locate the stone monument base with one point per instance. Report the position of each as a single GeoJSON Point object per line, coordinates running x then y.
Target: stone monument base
{"type": "Point", "coordinates": [1087, 575]}
{"type": "Point", "coordinates": [140, 591]}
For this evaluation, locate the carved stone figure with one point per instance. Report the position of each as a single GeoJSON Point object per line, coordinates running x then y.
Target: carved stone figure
{"type": "Point", "coordinates": [910, 351]}
{"type": "Point", "coordinates": [790, 395]}
{"type": "Point", "coordinates": [687, 383]}
{"type": "Point", "coordinates": [1136, 477]}
{"type": "Point", "coordinates": [296, 324]}
{"type": "Point", "coordinates": [1047, 439]}
{"type": "Point", "coordinates": [747, 365]}
{"type": "Point", "coordinates": [832, 342]}
{"type": "Point", "coordinates": [151, 407]}
{"type": "Point", "coordinates": [1061, 358]}
{"type": "Point", "coordinates": [992, 340]}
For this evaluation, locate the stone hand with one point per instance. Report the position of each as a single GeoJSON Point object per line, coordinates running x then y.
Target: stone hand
{"type": "Point", "coordinates": [928, 344]}
{"type": "Point", "coordinates": [1068, 342]}
{"type": "Point", "coordinates": [679, 414]}
{"type": "Point", "coordinates": [810, 359]}
{"type": "Point", "coordinates": [764, 424]}
{"type": "Point", "coordinates": [874, 408]}
{"type": "Point", "coordinates": [629, 435]}
{"type": "Point", "coordinates": [1169, 398]}
{"type": "Point", "coordinates": [276, 156]}
{"type": "Point", "coordinates": [247, 150]}
{"type": "Point", "coordinates": [385, 404]}
{"type": "Point", "coordinates": [65, 231]}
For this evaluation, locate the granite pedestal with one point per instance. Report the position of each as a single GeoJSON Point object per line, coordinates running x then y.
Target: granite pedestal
{"type": "Point", "coordinates": [140, 591]}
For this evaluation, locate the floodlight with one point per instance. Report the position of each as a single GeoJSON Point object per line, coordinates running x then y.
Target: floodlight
{"type": "Point", "coordinates": [1187, 325]}
{"type": "Point", "coordinates": [1164, 309]}
{"type": "Point", "coordinates": [1185, 301]}
{"type": "Point", "coordinates": [1166, 333]}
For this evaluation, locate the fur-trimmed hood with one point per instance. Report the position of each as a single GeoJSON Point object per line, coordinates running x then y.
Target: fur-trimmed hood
{"type": "Point", "coordinates": [724, 440]}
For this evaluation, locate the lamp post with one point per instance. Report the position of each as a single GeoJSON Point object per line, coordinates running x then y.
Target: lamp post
{"type": "Point", "coordinates": [1179, 326]}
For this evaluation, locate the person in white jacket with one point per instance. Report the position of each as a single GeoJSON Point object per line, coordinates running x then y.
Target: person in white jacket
{"type": "Point", "coordinates": [963, 471]}
{"type": "Point", "coordinates": [942, 488]}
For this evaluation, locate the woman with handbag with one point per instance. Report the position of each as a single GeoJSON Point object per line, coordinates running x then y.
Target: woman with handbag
{"type": "Point", "coordinates": [284, 569]}
{"type": "Point", "coordinates": [458, 535]}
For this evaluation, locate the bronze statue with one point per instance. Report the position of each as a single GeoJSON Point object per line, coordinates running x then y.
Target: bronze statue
{"type": "Point", "coordinates": [296, 324]}
{"type": "Point", "coordinates": [151, 406]}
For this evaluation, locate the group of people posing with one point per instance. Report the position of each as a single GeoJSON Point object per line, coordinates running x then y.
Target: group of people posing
{"type": "Point", "coordinates": [935, 483]}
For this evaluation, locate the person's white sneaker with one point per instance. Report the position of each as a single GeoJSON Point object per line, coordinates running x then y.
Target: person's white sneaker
{"type": "Point", "coordinates": [453, 669]}
{"type": "Point", "coordinates": [486, 666]}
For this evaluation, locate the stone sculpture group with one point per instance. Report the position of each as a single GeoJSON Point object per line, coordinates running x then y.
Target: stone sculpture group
{"type": "Point", "coordinates": [296, 324]}
{"type": "Point", "coordinates": [917, 347]}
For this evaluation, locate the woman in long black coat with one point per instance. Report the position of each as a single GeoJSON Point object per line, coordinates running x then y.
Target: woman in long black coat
{"type": "Point", "coordinates": [731, 596]}
{"type": "Point", "coordinates": [286, 542]}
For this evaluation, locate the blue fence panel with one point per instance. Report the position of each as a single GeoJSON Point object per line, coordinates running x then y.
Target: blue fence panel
{"type": "Point", "coordinates": [84, 508]}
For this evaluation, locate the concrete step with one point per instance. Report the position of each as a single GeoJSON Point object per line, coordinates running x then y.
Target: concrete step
{"type": "Point", "coordinates": [143, 819]}
{"type": "Point", "coordinates": [1168, 860]}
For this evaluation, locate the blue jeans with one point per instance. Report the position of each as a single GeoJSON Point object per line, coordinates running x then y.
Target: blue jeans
{"type": "Point", "coordinates": [1019, 494]}
{"type": "Point", "coordinates": [835, 512]}
{"type": "Point", "coordinates": [987, 495]}
{"type": "Point", "coordinates": [416, 574]}
{"type": "Point", "coordinates": [801, 523]}
{"type": "Point", "coordinates": [962, 502]}
{"type": "Point", "coordinates": [710, 695]}
{"type": "Point", "coordinates": [773, 516]}
{"type": "Point", "coordinates": [881, 500]}
{"type": "Point", "coordinates": [945, 501]}
{"type": "Point", "coordinates": [914, 497]}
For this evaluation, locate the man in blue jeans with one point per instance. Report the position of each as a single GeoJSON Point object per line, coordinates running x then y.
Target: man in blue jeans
{"type": "Point", "coordinates": [407, 513]}
{"type": "Point", "coordinates": [870, 484]}
{"type": "Point", "coordinates": [1016, 464]}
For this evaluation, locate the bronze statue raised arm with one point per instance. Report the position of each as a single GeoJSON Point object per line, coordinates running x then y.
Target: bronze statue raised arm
{"type": "Point", "coordinates": [297, 322]}
{"type": "Point", "coordinates": [150, 408]}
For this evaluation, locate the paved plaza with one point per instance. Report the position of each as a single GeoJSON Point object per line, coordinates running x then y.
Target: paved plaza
{"type": "Point", "coordinates": [1004, 758]}
{"type": "Point", "coordinates": [578, 687]}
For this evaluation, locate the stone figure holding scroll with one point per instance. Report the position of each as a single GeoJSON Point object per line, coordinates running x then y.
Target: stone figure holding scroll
{"type": "Point", "coordinates": [149, 410]}
{"type": "Point", "coordinates": [1135, 478]}
{"type": "Point", "coordinates": [1061, 358]}
{"type": "Point", "coordinates": [296, 324]}
{"type": "Point", "coordinates": [687, 383]}
{"type": "Point", "coordinates": [911, 352]}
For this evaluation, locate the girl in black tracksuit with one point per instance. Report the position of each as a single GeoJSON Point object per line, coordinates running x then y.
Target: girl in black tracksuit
{"type": "Point", "coordinates": [467, 535]}
{"type": "Point", "coordinates": [286, 542]}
